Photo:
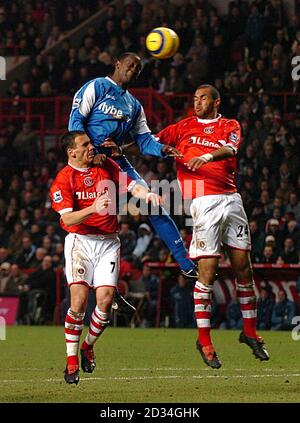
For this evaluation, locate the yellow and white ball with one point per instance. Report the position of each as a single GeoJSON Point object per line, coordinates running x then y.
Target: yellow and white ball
{"type": "Point", "coordinates": [162, 43]}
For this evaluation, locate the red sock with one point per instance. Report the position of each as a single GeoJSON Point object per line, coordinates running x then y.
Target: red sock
{"type": "Point", "coordinates": [72, 360]}
{"type": "Point", "coordinates": [247, 299]}
{"type": "Point", "coordinates": [202, 302]}
{"type": "Point", "coordinates": [73, 329]}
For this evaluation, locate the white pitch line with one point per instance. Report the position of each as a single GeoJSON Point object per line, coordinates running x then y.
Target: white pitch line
{"type": "Point", "coordinates": [145, 369]}
{"type": "Point", "coordinates": [214, 376]}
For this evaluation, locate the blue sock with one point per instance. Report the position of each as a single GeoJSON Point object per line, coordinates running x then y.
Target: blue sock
{"type": "Point", "coordinates": [164, 225]}
{"type": "Point", "coordinates": [168, 232]}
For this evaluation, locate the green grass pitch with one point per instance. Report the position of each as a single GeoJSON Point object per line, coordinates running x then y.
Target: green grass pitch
{"type": "Point", "coordinates": [148, 365]}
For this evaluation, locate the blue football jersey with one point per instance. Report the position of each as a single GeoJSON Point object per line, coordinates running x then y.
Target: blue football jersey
{"type": "Point", "coordinates": [103, 109]}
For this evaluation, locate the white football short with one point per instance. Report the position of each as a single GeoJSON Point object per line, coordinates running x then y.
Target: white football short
{"type": "Point", "coordinates": [218, 219]}
{"type": "Point", "coordinates": [92, 260]}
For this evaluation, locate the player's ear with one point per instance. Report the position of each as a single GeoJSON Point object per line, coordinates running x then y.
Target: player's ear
{"type": "Point", "coordinates": [71, 152]}
{"type": "Point", "coordinates": [218, 102]}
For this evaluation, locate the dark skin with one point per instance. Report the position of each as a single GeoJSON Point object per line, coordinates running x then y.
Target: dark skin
{"type": "Point", "coordinates": [127, 71]}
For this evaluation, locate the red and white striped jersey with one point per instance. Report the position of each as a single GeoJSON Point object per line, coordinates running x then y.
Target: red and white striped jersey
{"type": "Point", "coordinates": [194, 137]}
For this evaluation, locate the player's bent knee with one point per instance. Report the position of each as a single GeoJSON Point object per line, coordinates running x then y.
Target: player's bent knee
{"type": "Point", "coordinates": [207, 276]}
{"type": "Point", "coordinates": [78, 304]}
{"type": "Point", "coordinates": [104, 302]}
{"type": "Point", "coordinates": [244, 273]}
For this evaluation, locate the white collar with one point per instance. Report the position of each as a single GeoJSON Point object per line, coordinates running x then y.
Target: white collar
{"type": "Point", "coordinates": [110, 80]}
{"type": "Point", "coordinates": [84, 169]}
{"type": "Point", "coordinates": [209, 120]}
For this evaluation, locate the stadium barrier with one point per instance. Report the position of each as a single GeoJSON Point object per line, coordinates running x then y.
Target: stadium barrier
{"type": "Point", "coordinates": [278, 276]}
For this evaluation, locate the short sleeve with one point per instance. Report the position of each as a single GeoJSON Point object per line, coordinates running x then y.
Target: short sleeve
{"type": "Point", "coordinates": [61, 195]}
{"type": "Point", "coordinates": [233, 134]}
{"type": "Point", "coordinates": [168, 135]}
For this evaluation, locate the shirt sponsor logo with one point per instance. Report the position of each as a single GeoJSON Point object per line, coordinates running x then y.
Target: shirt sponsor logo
{"type": "Point", "coordinates": [203, 141]}
{"type": "Point", "coordinates": [57, 197]}
{"type": "Point", "coordinates": [209, 129]}
{"type": "Point", "coordinates": [88, 181]}
{"type": "Point", "coordinates": [83, 195]}
{"type": "Point", "coordinates": [111, 110]}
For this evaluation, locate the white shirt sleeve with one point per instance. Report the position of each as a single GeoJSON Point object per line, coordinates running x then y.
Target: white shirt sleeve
{"type": "Point", "coordinates": [141, 126]}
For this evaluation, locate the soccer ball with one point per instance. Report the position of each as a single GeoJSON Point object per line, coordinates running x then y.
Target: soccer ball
{"type": "Point", "coordinates": [162, 42]}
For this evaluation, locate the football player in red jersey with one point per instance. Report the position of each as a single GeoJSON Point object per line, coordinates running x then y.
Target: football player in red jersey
{"type": "Point", "coordinates": [206, 174]}
{"type": "Point", "coordinates": [82, 194]}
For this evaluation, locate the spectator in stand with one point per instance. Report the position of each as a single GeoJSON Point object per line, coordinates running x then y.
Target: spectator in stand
{"type": "Point", "coordinates": [5, 268]}
{"type": "Point", "coordinates": [175, 82]}
{"type": "Point", "coordinates": [283, 312]}
{"type": "Point", "coordinates": [234, 319]}
{"type": "Point", "coordinates": [128, 240]}
{"type": "Point", "coordinates": [289, 253]}
{"type": "Point", "coordinates": [268, 255]}
{"type": "Point", "coordinates": [257, 239]}
{"type": "Point", "coordinates": [181, 297]}
{"type": "Point", "coordinates": [5, 255]}
{"type": "Point", "coordinates": [39, 255]}
{"type": "Point", "coordinates": [15, 239]}
{"type": "Point", "coordinates": [26, 255]}
{"type": "Point", "coordinates": [151, 283]}
{"type": "Point", "coordinates": [44, 279]}
{"type": "Point", "coordinates": [26, 145]}
{"type": "Point", "coordinates": [294, 206]}
{"type": "Point", "coordinates": [265, 305]}
{"type": "Point", "coordinates": [16, 281]}
{"type": "Point", "coordinates": [144, 238]}
{"type": "Point", "coordinates": [292, 231]}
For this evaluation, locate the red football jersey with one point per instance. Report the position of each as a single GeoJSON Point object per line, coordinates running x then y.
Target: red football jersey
{"type": "Point", "coordinates": [194, 137]}
{"type": "Point", "coordinates": [74, 189]}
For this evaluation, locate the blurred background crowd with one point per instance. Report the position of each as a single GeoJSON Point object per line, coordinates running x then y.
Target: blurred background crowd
{"type": "Point", "coordinates": [246, 53]}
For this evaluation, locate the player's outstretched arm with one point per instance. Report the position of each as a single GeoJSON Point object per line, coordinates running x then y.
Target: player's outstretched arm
{"type": "Point", "coordinates": [140, 191]}
{"type": "Point", "coordinates": [219, 154]}
{"type": "Point", "coordinates": [76, 217]}
{"type": "Point", "coordinates": [150, 147]}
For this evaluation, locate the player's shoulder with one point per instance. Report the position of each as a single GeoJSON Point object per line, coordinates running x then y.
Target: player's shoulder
{"type": "Point", "coordinates": [65, 173]}
{"type": "Point", "coordinates": [111, 165]}
{"type": "Point", "coordinates": [183, 123]}
{"type": "Point", "coordinates": [229, 122]}
{"type": "Point", "coordinates": [187, 121]}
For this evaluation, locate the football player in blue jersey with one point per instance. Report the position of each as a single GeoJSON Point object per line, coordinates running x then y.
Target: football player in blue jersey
{"type": "Point", "coordinates": [103, 108]}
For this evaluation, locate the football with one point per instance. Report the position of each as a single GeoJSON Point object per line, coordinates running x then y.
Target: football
{"type": "Point", "coordinates": [162, 43]}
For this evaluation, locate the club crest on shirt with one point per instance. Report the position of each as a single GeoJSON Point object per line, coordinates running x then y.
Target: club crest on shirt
{"type": "Point", "coordinates": [201, 244]}
{"type": "Point", "coordinates": [88, 181]}
{"type": "Point", "coordinates": [81, 271]}
{"type": "Point", "coordinates": [209, 129]}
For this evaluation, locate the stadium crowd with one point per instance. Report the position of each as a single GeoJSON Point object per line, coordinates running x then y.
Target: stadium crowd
{"type": "Point", "coordinates": [248, 51]}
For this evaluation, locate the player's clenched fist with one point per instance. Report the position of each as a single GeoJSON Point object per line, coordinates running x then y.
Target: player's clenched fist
{"type": "Point", "coordinates": [102, 202]}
